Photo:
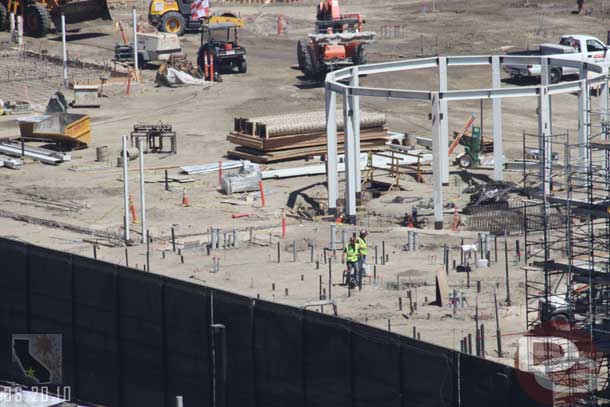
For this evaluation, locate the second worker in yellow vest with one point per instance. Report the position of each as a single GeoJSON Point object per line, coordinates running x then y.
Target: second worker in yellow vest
{"type": "Point", "coordinates": [362, 252]}
{"type": "Point", "coordinates": [351, 257]}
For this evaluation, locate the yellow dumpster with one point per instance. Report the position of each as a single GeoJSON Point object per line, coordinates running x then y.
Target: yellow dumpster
{"type": "Point", "coordinates": [65, 128]}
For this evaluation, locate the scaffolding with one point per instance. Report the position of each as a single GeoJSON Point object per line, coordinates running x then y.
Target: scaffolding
{"type": "Point", "coordinates": [567, 247]}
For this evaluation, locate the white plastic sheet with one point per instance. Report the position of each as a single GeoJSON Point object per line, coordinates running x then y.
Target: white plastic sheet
{"type": "Point", "coordinates": [174, 77]}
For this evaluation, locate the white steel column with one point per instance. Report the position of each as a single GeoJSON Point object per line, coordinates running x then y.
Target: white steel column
{"type": "Point", "coordinates": [135, 42]}
{"type": "Point", "coordinates": [603, 97]}
{"type": "Point", "coordinates": [20, 30]}
{"type": "Point", "coordinates": [125, 190]}
{"type": "Point", "coordinates": [437, 167]}
{"type": "Point", "coordinates": [12, 26]}
{"type": "Point", "coordinates": [496, 104]}
{"type": "Point", "coordinates": [444, 112]}
{"type": "Point", "coordinates": [583, 98]}
{"type": "Point", "coordinates": [332, 179]}
{"type": "Point", "coordinates": [142, 193]}
{"type": "Point", "coordinates": [64, 49]}
{"type": "Point", "coordinates": [350, 164]}
{"type": "Point", "coordinates": [544, 131]}
{"type": "Point", "coordinates": [355, 103]}
{"type": "Point", "coordinates": [603, 106]}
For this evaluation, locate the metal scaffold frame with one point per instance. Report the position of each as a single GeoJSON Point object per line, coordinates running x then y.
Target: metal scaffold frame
{"type": "Point", "coordinates": [568, 249]}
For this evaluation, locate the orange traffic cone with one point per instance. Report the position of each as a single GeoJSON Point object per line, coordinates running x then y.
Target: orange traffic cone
{"type": "Point", "coordinates": [132, 210]}
{"type": "Point", "coordinates": [185, 199]}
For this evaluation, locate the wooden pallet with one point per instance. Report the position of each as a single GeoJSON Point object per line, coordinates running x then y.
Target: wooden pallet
{"type": "Point", "coordinates": [262, 157]}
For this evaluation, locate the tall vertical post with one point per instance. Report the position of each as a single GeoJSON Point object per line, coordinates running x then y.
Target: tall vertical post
{"type": "Point", "coordinates": [436, 162]}
{"type": "Point", "coordinates": [19, 30]}
{"type": "Point", "coordinates": [498, 333]}
{"type": "Point", "coordinates": [603, 101]}
{"type": "Point", "coordinates": [64, 49]}
{"type": "Point", "coordinates": [147, 250]}
{"type": "Point", "coordinates": [350, 164]}
{"type": "Point", "coordinates": [496, 106]}
{"type": "Point", "coordinates": [355, 103]}
{"type": "Point", "coordinates": [508, 302]}
{"type": "Point", "coordinates": [125, 190]}
{"type": "Point", "coordinates": [544, 130]}
{"type": "Point", "coordinates": [603, 104]}
{"type": "Point", "coordinates": [12, 26]}
{"type": "Point", "coordinates": [332, 179]}
{"type": "Point", "coordinates": [142, 194]}
{"type": "Point", "coordinates": [583, 100]}
{"type": "Point", "coordinates": [135, 42]}
{"type": "Point", "coordinates": [219, 365]}
{"type": "Point", "coordinates": [330, 278]}
{"type": "Point", "coordinates": [444, 111]}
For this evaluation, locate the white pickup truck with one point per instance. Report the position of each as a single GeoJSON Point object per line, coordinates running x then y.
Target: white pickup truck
{"type": "Point", "coordinates": [572, 47]}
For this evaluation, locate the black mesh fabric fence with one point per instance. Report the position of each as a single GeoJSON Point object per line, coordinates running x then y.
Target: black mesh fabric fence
{"type": "Point", "coordinates": [421, 359]}
{"type": "Point", "coordinates": [131, 338]}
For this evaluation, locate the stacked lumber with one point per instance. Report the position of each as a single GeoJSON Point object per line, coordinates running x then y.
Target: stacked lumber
{"type": "Point", "coordinates": [299, 135]}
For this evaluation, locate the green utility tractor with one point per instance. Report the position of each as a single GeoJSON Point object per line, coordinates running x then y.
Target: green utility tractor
{"type": "Point", "coordinates": [470, 158]}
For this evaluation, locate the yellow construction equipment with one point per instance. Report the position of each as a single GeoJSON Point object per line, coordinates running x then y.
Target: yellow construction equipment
{"type": "Point", "coordinates": [39, 15]}
{"type": "Point", "coordinates": [174, 16]}
{"type": "Point", "coordinates": [70, 130]}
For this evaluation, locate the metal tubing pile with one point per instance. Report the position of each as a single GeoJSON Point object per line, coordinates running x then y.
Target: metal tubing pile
{"type": "Point", "coordinates": [299, 135]}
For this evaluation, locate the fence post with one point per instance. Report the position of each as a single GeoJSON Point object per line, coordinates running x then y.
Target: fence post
{"type": "Point", "coordinates": [219, 365]}
{"type": "Point", "coordinates": [330, 279]}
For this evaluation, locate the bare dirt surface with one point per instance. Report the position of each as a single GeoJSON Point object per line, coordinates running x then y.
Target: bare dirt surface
{"type": "Point", "coordinates": [88, 194]}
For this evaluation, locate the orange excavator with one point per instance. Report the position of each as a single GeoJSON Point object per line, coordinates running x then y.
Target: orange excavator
{"type": "Point", "coordinates": [338, 42]}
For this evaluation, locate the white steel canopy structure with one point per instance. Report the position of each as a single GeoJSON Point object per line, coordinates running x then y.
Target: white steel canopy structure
{"type": "Point", "coordinates": [345, 82]}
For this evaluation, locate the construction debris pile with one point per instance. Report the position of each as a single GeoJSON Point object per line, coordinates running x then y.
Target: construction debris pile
{"type": "Point", "coordinates": [299, 135]}
{"type": "Point", "coordinates": [41, 73]}
{"type": "Point", "coordinates": [18, 107]}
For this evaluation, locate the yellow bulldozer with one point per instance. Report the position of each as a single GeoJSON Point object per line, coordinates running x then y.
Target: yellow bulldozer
{"type": "Point", "coordinates": [40, 15]}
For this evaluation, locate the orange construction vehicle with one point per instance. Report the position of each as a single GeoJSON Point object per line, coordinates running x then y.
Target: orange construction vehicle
{"type": "Point", "coordinates": [338, 42]}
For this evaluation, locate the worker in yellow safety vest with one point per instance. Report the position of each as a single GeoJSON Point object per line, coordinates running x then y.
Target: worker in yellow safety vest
{"type": "Point", "coordinates": [362, 251]}
{"type": "Point", "coordinates": [350, 256]}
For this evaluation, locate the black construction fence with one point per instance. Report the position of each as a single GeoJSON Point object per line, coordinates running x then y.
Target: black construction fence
{"type": "Point", "coordinates": [132, 338]}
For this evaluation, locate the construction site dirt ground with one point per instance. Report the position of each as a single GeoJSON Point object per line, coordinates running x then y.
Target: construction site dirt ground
{"type": "Point", "coordinates": [87, 193]}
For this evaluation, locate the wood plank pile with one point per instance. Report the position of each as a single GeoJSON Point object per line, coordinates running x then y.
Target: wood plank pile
{"type": "Point", "coordinates": [299, 135]}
